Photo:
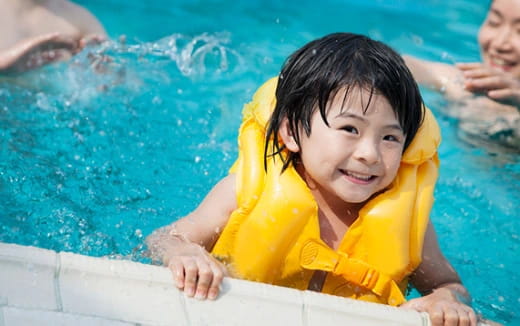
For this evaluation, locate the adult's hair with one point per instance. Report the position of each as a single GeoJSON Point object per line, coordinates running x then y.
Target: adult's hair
{"type": "Point", "coordinates": [313, 75]}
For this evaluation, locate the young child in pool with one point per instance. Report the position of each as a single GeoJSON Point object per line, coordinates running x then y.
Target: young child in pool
{"type": "Point", "coordinates": [485, 95]}
{"type": "Point", "coordinates": [38, 32]}
{"type": "Point", "coordinates": [332, 189]}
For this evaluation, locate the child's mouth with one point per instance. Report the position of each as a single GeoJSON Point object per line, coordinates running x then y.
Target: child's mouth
{"type": "Point", "coordinates": [358, 177]}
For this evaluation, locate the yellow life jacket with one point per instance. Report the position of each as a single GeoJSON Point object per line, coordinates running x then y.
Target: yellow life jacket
{"type": "Point", "coordinates": [274, 235]}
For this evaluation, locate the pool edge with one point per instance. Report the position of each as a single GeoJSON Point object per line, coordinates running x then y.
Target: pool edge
{"type": "Point", "coordinates": [74, 289]}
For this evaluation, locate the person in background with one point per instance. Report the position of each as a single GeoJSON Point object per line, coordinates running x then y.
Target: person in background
{"type": "Point", "coordinates": [331, 192]}
{"type": "Point", "coordinates": [38, 32]}
{"type": "Point", "coordinates": [485, 95]}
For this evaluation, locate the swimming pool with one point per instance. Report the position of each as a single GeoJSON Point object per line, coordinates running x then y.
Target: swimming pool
{"type": "Point", "coordinates": [92, 162]}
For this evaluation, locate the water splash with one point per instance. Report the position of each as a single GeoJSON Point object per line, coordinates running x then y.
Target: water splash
{"type": "Point", "coordinates": [194, 56]}
{"type": "Point", "coordinates": [93, 147]}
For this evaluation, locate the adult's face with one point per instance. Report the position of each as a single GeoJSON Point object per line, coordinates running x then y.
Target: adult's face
{"type": "Point", "coordinates": [499, 36]}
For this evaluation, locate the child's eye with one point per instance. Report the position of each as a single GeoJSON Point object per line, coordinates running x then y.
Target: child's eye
{"type": "Point", "coordinates": [392, 138]}
{"type": "Point", "coordinates": [350, 129]}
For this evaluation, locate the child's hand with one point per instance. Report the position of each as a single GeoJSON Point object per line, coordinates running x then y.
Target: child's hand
{"type": "Point", "coordinates": [444, 308]}
{"type": "Point", "coordinates": [496, 84]}
{"type": "Point", "coordinates": [183, 246]}
{"type": "Point", "coordinates": [195, 271]}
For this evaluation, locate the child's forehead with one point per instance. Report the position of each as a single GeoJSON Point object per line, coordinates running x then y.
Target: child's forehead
{"type": "Point", "coordinates": [357, 102]}
{"type": "Point", "coordinates": [347, 97]}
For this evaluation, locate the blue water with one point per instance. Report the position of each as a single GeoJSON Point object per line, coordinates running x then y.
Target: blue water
{"type": "Point", "coordinates": [93, 159]}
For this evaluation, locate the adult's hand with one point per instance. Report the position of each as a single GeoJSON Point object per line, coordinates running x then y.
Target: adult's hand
{"type": "Point", "coordinates": [495, 83]}
{"type": "Point", "coordinates": [42, 49]}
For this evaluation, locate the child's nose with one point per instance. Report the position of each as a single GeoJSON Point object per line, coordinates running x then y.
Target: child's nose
{"type": "Point", "coordinates": [367, 151]}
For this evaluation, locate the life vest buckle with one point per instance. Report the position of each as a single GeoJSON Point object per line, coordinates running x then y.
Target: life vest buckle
{"type": "Point", "coordinates": [358, 272]}
{"type": "Point", "coordinates": [370, 278]}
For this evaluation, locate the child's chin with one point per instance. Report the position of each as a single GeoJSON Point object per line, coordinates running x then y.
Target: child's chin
{"type": "Point", "coordinates": [357, 199]}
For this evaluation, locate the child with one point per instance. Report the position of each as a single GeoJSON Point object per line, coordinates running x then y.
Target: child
{"type": "Point", "coordinates": [37, 32]}
{"type": "Point", "coordinates": [331, 191]}
{"type": "Point", "coordinates": [485, 95]}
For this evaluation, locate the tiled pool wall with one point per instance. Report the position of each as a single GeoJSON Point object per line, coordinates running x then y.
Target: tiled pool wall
{"type": "Point", "coordinates": [42, 287]}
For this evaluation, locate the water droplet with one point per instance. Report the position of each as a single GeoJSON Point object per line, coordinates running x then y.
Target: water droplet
{"type": "Point", "coordinates": [156, 100]}
{"type": "Point", "coordinates": [417, 40]}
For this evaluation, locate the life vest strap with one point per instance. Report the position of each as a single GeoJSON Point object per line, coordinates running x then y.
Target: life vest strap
{"type": "Point", "coordinates": [316, 255]}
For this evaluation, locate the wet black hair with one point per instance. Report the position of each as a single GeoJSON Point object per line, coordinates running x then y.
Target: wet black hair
{"type": "Point", "coordinates": [312, 76]}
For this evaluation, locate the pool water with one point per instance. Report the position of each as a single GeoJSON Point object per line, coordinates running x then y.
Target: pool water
{"type": "Point", "coordinates": [130, 135]}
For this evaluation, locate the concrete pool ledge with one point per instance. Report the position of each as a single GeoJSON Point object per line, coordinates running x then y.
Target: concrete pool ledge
{"type": "Point", "coordinates": [39, 286]}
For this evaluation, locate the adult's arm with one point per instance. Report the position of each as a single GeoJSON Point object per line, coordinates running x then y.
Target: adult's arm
{"type": "Point", "coordinates": [78, 16]}
{"type": "Point", "coordinates": [441, 77]}
{"type": "Point", "coordinates": [36, 51]}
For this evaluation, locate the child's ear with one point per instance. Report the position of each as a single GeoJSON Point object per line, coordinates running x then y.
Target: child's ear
{"type": "Point", "coordinates": [287, 136]}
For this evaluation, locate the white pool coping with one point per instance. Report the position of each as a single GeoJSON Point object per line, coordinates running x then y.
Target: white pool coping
{"type": "Point", "coordinates": [42, 287]}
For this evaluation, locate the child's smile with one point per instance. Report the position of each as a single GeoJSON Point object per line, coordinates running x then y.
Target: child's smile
{"type": "Point", "coordinates": [358, 178]}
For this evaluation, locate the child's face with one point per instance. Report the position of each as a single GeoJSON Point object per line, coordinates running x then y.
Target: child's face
{"type": "Point", "coordinates": [358, 154]}
{"type": "Point", "coordinates": [499, 36]}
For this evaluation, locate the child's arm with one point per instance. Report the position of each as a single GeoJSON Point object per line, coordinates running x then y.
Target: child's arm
{"type": "Point", "coordinates": [445, 298]}
{"type": "Point", "coordinates": [184, 245]}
